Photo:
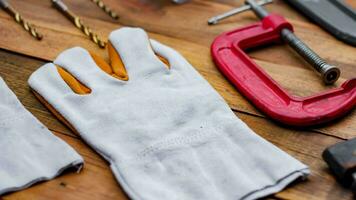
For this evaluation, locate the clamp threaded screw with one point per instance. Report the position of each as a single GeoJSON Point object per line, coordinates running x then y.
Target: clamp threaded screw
{"type": "Point", "coordinates": [329, 73]}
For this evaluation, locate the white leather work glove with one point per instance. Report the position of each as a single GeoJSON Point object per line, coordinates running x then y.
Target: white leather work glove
{"type": "Point", "coordinates": [29, 152]}
{"type": "Point", "coordinates": [165, 131]}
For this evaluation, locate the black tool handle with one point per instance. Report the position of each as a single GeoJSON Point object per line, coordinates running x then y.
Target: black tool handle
{"type": "Point", "coordinates": [334, 16]}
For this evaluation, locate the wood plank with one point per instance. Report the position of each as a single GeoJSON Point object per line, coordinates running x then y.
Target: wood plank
{"type": "Point", "coordinates": [298, 80]}
{"type": "Point", "coordinates": [159, 20]}
{"type": "Point", "coordinates": [184, 28]}
{"type": "Point", "coordinates": [96, 181]}
{"type": "Point", "coordinates": [79, 186]}
{"type": "Point", "coordinates": [300, 144]}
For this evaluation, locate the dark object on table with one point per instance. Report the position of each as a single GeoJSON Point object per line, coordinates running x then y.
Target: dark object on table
{"type": "Point", "coordinates": [333, 15]}
{"type": "Point", "coordinates": [341, 159]}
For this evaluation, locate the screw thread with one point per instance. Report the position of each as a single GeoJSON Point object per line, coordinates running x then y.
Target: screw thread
{"type": "Point", "coordinates": [302, 49]}
{"type": "Point", "coordinates": [309, 54]}
{"type": "Point", "coordinates": [329, 73]}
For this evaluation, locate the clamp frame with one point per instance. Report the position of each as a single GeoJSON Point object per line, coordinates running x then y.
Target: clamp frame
{"type": "Point", "coordinates": [255, 84]}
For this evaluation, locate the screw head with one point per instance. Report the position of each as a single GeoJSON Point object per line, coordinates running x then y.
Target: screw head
{"type": "Point", "coordinates": [330, 74]}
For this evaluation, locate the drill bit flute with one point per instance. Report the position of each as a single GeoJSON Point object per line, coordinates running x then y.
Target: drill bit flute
{"type": "Point", "coordinates": [18, 18]}
{"type": "Point", "coordinates": [78, 23]}
{"type": "Point", "coordinates": [106, 9]}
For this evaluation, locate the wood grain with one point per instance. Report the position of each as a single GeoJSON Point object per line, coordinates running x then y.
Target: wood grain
{"type": "Point", "coordinates": [188, 37]}
{"type": "Point", "coordinates": [184, 28]}
{"type": "Point", "coordinates": [96, 180]}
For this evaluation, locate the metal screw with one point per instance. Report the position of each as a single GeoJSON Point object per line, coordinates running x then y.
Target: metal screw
{"type": "Point", "coordinates": [18, 18]}
{"type": "Point", "coordinates": [106, 9]}
{"type": "Point", "coordinates": [329, 73]}
{"type": "Point", "coordinates": [78, 23]}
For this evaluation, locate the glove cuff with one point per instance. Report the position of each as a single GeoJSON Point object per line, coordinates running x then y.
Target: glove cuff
{"type": "Point", "coordinates": [30, 153]}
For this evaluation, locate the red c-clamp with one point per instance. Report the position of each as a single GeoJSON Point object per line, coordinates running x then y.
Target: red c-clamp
{"type": "Point", "coordinates": [228, 53]}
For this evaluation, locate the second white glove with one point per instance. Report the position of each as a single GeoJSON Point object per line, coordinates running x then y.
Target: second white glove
{"type": "Point", "coordinates": [29, 152]}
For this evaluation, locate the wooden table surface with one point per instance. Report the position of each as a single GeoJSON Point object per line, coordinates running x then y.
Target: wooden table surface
{"type": "Point", "coordinates": [184, 28]}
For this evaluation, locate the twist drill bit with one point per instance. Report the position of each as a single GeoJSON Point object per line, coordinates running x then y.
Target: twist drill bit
{"type": "Point", "coordinates": [18, 18]}
{"type": "Point", "coordinates": [78, 23]}
{"type": "Point", "coordinates": [106, 9]}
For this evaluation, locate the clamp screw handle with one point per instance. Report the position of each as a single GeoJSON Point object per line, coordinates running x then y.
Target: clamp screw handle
{"type": "Point", "coordinates": [216, 19]}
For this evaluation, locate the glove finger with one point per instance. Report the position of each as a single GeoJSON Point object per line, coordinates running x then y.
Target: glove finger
{"type": "Point", "coordinates": [134, 48]}
{"type": "Point", "coordinates": [174, 58]}
{"type": "Point", "coordinates": [48, 83]}
{"type": "Point", "coordinates": [80, 63]}
{"type": "Point", "coordinates": [116, 68]}
{"type": "Point", "coordinates": [177, 62]}
{"type": "Point", "coordinates": [49, 87]}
